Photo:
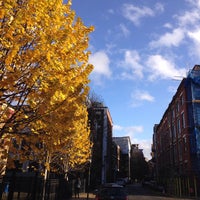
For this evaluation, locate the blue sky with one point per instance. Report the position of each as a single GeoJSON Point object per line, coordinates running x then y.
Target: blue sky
{"type": "Point", "coordinates": [140, 50]}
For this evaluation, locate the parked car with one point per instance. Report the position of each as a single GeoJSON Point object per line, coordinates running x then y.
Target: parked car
{"type": "Point", "coordinates": [153, 185]}
{"type": "Point", "coordinates": [111, 191]}
{"type": "Point", "coordinates": [121, 181]}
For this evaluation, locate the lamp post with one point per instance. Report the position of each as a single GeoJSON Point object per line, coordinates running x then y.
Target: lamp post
{"type": "Point", "coordinates": [88, 182]}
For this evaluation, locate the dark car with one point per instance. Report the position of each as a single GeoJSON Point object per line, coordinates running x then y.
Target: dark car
{"type": "Point", "coordinates": [121, 181]}
{"type": "Point", "coordinates": [111, 192]}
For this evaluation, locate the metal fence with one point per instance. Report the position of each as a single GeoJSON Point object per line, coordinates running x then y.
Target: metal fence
{"type": "Point", "coordinates": [31, 186]}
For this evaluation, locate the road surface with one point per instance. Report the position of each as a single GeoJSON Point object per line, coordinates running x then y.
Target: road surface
{"type": "Point", "coordinates": [137, 192]}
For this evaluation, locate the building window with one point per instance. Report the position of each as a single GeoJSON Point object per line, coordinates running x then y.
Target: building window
{"type": "Point", "coordinates": [180, 151]}
{"type": "Point", "coordinates": [175, 154]}
{"type": "Point", "coordinates": [170, 132]}
{"type": "Point", "coordinates": [174, 131]}
{"type": "Point", "coordinates": [185, 144]}
{"type": "Point", "coordinates": [179, 126]}
{"type": "Point", "coordinates": [186, 166]}
{"type": "Point", "coordinates": [177, 107]}
{"type": "Point", "coordinates": [173, 114]}
{"type": "Point", "coordinates": [182, 100]}
{"type": "Point", "coordinates": [183, 120]}
{"type": "Point", "coordinates": [171, 156]}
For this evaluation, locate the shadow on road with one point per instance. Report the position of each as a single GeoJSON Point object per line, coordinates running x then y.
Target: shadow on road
{"type": "Point", "coordinates": [137, 191]}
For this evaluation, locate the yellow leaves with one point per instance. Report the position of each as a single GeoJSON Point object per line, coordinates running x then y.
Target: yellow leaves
{"type": "Point", "coordinates": [11, 55]}
{"type": "Point", "coordinates": [47, 166]}
{"type": "Point", "coordinates": [8, 4]}
{"type": "Point", "coordinates": [46, 58]}
{"type": "Point", "coordinates": [6, 113]}
{"type": "Point", "coordinates": [69, 2]}
{"type": "Point", "coordinates": [58, 142]}
{"type": "Point", "coordinates": [2, 13]}
{"type": "Point", "coordinates": [72, 89]}
{"type": "Point", "coordinates": [10, 20]}
{"type": "Point", "coordinates": [60, 96]}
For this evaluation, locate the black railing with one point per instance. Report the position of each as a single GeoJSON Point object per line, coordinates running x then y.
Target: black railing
{"type": "Point", "coordinates": [30, 186]}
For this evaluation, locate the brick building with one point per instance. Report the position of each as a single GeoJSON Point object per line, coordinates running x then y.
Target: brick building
{"type": "Point", "coordinates": [176, 140]}
{"type": "Point", "coordinates": [101, 136]}
{"type": "Point", "coordinates": [139, 166]}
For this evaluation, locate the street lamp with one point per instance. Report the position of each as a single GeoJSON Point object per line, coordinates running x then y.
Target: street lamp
{"type": "Point", "coordinates": [88, 182]}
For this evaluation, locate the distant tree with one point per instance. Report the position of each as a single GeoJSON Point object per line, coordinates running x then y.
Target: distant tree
{"type": "Point", "coordinates": [44, 77]}
{"type": "Point", "coordinates": [95, 99]}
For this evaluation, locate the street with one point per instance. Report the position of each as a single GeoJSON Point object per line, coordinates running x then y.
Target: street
{"type": "Point", "coordinates": [137, 192]}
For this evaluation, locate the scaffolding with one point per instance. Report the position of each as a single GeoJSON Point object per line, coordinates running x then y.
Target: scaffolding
{"type": "Point", "coordinates": [193, 93]}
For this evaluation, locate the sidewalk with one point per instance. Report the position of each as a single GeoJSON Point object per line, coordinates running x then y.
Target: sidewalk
{"type": "Point", "coordinates": [84, 196]}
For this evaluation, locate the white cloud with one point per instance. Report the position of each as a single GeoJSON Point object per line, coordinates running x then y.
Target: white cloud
{"type": "Point", "coordinates": [168, 25]}
{"type": "Point", "coordinates": [189, 21]}
{"type": "Point", "coordinates": [159, 7]}
{"type": "Point", "coordinates": [185, 22]}
{"type": "Point", "coordinates": [142, 96]}
{"type": "Point", "coordinates": [132, 62]}
{"type": "Point", "coordinates": [195, 3]}
{"type": "Point", "coordinates": [188, 18]}
{"type": "Point", "coordinates": [111, 11]}
{"type": "Point", "coordinates": [110, 48]}
{"type": "Point", "coordinates": [129, 130]}
{"type": "Point", "coordinates": [139, 96]}
{"type": "Point", "coordinates": [187, 26]}
{"type": "Point", "coordinates": [117, 128]}
{"type": "Point", "coordinates": [101, 62]}
{"type": "Point", "coordinates": [161, 68]}
{"type": "Point", "coordinates": [169, 39]}
{"type": "Point", "coordinates": [124, 30]}
{"type": "Point", "coordinates": [195, 36]}
{"type": "Point", "coordinates": [145, 145]}
{"type": "Point", "coordinates": [134, 13]}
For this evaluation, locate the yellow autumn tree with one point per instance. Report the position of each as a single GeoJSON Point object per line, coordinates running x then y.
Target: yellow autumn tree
{"type": "Point", "coordinates": [44, 77]}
